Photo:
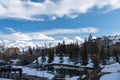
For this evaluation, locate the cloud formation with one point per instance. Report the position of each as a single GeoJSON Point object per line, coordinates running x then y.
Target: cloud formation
{"type": "Point", "coordinates": [51, 9]}
{"type": "Point", "coordinates": [16, 36]}
{"type": "Point", "coordinates": [10, 29]}
{"type": "Point", "coordinates": [44, 35]}
{"type": "Point", "coordinates": [70, 31]}
{"type": "Point", "coordinates": [30, 38]}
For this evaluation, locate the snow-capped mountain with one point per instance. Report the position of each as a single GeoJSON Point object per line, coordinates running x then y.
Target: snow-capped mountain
{"type": "Point", "coordinates": [112, 38]}
{"type": "Point", "coordinates": [23, 44]}
{"type": "Point", "coordinates": [115, 38]}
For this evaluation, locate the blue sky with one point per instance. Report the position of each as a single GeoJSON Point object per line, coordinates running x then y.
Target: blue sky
{"type": "Point", "coordinates": [58, 19]}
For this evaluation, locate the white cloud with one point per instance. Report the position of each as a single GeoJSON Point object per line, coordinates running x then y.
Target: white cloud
{"type": "Point", "coordinates": [10, 29]}
{"type": "Point", "coordinates": [94, 37]}
{"type": "Point", "coordinates": [21, 39]}
{"type": "Point", "coordinates": [70, 31]}
{"type": "Point", "coordinates": [39, 36]}
{"type": "Point", "coordinates": [35, 11]}
{"type": "Point", "coordinates": [44, 35]}
{"type": "Point", "coordinates": [16, 36]}
{"type": "Point", "coordinates": [108, 5]}
{"type": "Point", "coordinates": [111, 4]}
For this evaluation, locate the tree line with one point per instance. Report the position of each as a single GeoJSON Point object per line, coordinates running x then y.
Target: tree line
{"type": "Point", "coordinates": [99, 50]}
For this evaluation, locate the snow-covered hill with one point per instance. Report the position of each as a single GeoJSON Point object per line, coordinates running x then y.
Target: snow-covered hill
{"type": "Point", "coordinates": [114, 70]}
{"type": "Point", "coordinates": [111, 38]}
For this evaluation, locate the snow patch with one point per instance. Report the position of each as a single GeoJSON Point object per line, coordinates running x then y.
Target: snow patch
{"type": "Point", "coordinates": [30, 71]}
{"type": "Point", "coordinates": [74, 78]}
{"type": "Point", "coordinates": [112, 76]}
{"type": "Point", "coordinates": [112, 68]}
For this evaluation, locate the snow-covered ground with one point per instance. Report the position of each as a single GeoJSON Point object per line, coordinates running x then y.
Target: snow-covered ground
{"type": "Point", "coordinates": [40, 61]}
{"type": "Point", "coordinates": [15, 61]}
{"type": "Point", "coordinates": [74, 78]}
{"type": "Point", "coordinates": [90, 64]}
{"type": "Point", "coordinates": [112, 76]}
{"type": "Point", "coordinates": [34, 72]}
{"type": "Point", "coordinates": [65, 60]}
{"type": "Point", "coordinates": [56, 60]}
{"type": "Point", "coordinates": [114, 70]}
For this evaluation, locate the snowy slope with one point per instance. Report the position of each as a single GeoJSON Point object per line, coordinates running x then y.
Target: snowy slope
{"type": "Point", "coordinates": [40, 61]}
{"type": "Point", "coordinates": [114, 70]}
{"type": "Point", "coordinates": [112, 76]}
{"type": "Point", "coordinates": [34, 72]}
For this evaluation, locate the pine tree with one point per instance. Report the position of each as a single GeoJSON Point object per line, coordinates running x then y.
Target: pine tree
{"type": "Point", "coordinates": [30, 50]}
{"type": "Point", "coordinates": [37, 63]}
{"type": "Point", "coordinates": [108, 51]}
{"type": "Point", "coordinates": [50, 55]}
{"type": "Point", "coordinates": [96, 49]}
{"type": "Point", "coordinates": [43, 59]}
{"type": "Point", "coordinates": [103, 55]}
{"type": "Point", "coordinates": [63, 47]}
{"type": "Point", "coordinates": [90, 37]}
{"type": "Point", "coordinates": [84, 54]}
{"type": "Point", "coordinates": [116, 52]}
{"type": "Point", "coordinates": [58, 48]}
{"type": "Point", "coordinates": [70, 51]}
{"type": "Point", "coordinates": [73, 50]}
{"type": "Point", "coordinates": [61, 57]}
{"type": "Point", "coordinates": [60, 51]}
{"type": "Point", "coordinates": [96, 60]}
{"type": "Point", "coordinates": [76, 50]}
